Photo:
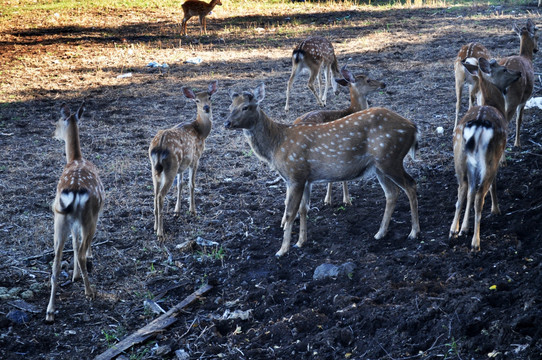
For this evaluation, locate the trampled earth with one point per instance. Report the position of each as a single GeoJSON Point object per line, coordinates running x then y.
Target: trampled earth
{"type": "Point", "coordinates": [428, 298]}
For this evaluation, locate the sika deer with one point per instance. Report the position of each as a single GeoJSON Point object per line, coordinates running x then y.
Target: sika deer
{"type": "Point", "coordinates": [469, 53]}
{"type": "Point", "coordinates": [78, 202]}
{"type": "Point", "coordinates": [479, 142]}
{"type": "Point", "coordinates": [314, 54]}
{"type": "Point", "coordinates": [174, 150]}
{"type": "Point", "coordinates": [197, 8]}
{"type": "Point", "coordinates": [360, 86]}
{"type": "Point", "coordinates": [520, 91]}
{"type": "Point", "coordinates": [345, 149]}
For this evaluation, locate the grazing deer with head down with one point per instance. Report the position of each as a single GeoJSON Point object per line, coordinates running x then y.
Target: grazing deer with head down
{"type": "Point", "coordinates": [78, 202]}
{"type": "Point", "coordinates": [345, 149]}
{"type": "Point", "coordinates": [520, 91]}
{"type": "Point", "coordinates": [200, 9]}
{"type": "Point", "coordinates": [479, 142]}
{"type": "Point", "coordinates": [314, 54]}
{"type": "Point", "coordinates": [174, 150]}
{"type": "Point", "coordinates": [469, 53]}
{"type": "Point", "coordinates": [360, 86]}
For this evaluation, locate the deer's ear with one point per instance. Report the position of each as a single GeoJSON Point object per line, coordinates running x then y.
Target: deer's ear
{"type": "Point", "coordinates": [531, 26]}
{"type": "Point", "coordinates": [259, 93]}
{"type": "Point", "coordinates": [516, 29]}
{"type": "Point", "coordinates": [347, 75]}
{"type": "Point", "coordinates": [80, 111]}
{"type": "Point", "coordinates": [470, 67]}
{"type": "Point", "coordinates": [189, 93]}
{"type": "Point", "coordinates": [212, 87]}
{"type": "Point", "coordinates": [341, 82]}
{"type": "Point", "coordinates": [485, 65]}
{"type": "Point", "coordinates": [232, 94]}
{"type": "Point", "coordinates": [65, 111]}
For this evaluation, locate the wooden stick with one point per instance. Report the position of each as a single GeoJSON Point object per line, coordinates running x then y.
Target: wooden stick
{"type": "Point", "coordinates": [33, 257]}
{"type": "Point", "coordinates": [153, 327]}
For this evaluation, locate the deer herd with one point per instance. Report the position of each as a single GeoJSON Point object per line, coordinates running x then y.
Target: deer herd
{"type": "Point", "coordinates": [320, 146]}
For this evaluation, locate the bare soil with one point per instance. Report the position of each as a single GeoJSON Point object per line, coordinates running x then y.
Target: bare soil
{"type": "Point", "coordinates": [430, 298]}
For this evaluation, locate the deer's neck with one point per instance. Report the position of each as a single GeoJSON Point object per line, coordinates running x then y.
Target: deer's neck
{"type": "Point", "coordinates": [526, 49]}
{"type": "Point", "coordinates": [213, 3]}
{"type": "Point", "coordinates": [492, 96]}
{"type": "Point", "coordinates": [358, 102]}
{"type": "Point", "coordinates": [265, 137]}
{"type": "Point", "coordinates": [73, 147]}
{"type": "Point", "coordinates": [203, 124]}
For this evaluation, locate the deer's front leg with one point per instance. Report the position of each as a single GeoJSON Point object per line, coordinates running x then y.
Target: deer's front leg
{"type": "Point", "coordinates": [294, 195]}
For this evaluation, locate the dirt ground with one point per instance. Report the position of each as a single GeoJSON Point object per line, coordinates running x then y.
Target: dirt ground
{"type": "Point", "coordinates": [429, 298]}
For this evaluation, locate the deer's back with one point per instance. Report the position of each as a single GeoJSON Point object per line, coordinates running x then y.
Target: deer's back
{"type": "Point", "coordinates": [319, 49]}
{"type": "Point", "coordinates": [195, 7]}
{"type": "Point", "coordinates": [345, 148]}
{"type": "Point", "coordinates": [183, 143]}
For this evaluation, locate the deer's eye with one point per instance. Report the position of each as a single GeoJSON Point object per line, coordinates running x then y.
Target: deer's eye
{"type": "Point", "coordinates": [245, 108]}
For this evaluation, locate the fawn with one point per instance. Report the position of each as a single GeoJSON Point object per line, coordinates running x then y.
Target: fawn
{"type": "Point", "coordinates": [520, 91]}
{"type": "Point", "coordinates": [472, 52]}
{"type": "Point", "coordinates": [313, 54]}
{"type": "Point", "coordinates": [360, 86]}
{"type": "Point", "coordinates": [479, 142]}
{"type": "Point", "coordinates": [174, 150]}
{"type": "Point", "coordinates": [372, 140]}
{"type": "Point", "coordinates": [78, 203]}
{"type": "Point", "coordinates": [197, 8]}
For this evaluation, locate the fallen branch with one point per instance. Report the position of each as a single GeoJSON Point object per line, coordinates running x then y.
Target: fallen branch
{"type": "Point", "coordinates": [33, 257]}
{"type": "Point", "coordinates": [153, 327]}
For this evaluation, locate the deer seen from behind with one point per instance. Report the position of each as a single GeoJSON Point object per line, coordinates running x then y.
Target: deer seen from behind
{"type": "Point", "coordinates": [479, 142]}
{"type": "Point", "coordinates": [174, 150]}
{"type": "Point", "coordinates": [314, 54]}
{"type": "Point", "coordinates": [520, 91]}
{"type": "Point", "coordinates": [374, 140]}
{"type": "Point", "coordinates": [469, 53]}
{"type": "Point", "coordinates": [77, 205]}
{"type": "Point", "coordinates": [360, 86]}
{"type": "Point", "coordinates": [197, 8]}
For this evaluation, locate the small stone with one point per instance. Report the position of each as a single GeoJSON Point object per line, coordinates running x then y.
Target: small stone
{"type": "Point", "coordinates": [325, 270]}
{"type": "Point", "coordinates": [27, 294]}
{"type": "Point", "coordinates": [181, 354]}
{"type": "Point", "coordinates": [17, 317]}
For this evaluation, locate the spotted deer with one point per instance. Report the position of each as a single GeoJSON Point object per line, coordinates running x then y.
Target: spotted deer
{"type": "Point", "coordinates": [374, 140]}
{"type": "Point", "coordinates": [200, 9]}
{"type": "Point", "coordinates": [77, 205]}
{"type": "Point", "coordinates": [479, 142]}
{"type": "Point", "coordinates": [314, 53]}
{"type": "Point", "coordinates": [520, 91]}
{"type": "Point", "coordinates": [469, 53]}
{"type": "Point", "coordinates": [360, 86]}
{"type": "Point", "coordinates": [174, 150]}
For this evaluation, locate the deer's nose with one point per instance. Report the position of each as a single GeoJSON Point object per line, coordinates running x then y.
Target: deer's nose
{"type": "Point", "coordinates": [206, 108]}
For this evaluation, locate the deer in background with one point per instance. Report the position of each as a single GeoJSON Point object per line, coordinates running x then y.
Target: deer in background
{"type": "Point", "coordinates": [479, 142]}
{"type": "Point", "coordinates": [313, 54]}
{"type": "Point", "coordinates": [197, 8]}
{"type": "Point", "coordinates": [520, 91]}
{"type": "Point", "coordinates": [469, 53]}
{"type": "Point", "coordinates": [360, 86]}
{"type": "Point", "coordinates": [78, 203]}
{"type": "Point", "coordinates": [374, 140]}
{"type": "Point", "coordinates": [174, 150]}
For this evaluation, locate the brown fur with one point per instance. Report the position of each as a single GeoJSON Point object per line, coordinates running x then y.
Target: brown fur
{"type": "Point", "coordinates": [200, 9]}
{"type": "Point", "coordinates": [78, 203]}
{"type": "Point", "coordinates": [174, 150]}
{"type": "Point", "coordinates": [346, 149]}
{"type": "Point", "coordinates": [314, 53]}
